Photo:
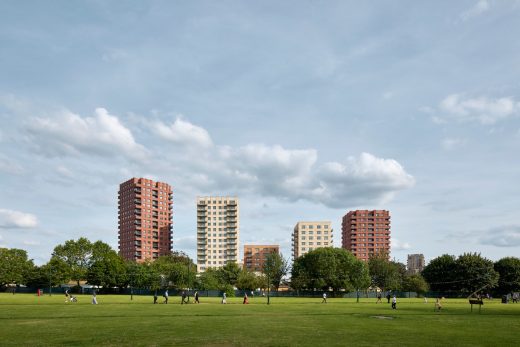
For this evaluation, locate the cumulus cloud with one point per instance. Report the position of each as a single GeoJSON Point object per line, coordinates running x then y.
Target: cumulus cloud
{"type": "Point", "coordinates": [17, 219]}
{"type": "Point", "coordinates": [476, 10]}
{"type": "Point", "coordinates": [182, 132]}
{"type": "Point", "coordinates": [504, 236]}
{"type": "Point", "coordinates": [365, 179]}
{"type": "Point", "coordinates": [481, 109]}
{"type": "Point", "coordinates": [288, 174]}
{"type": "Point", "coordinates": [70, 134]}
{"type": "Point", "coordinates": [398, 245]}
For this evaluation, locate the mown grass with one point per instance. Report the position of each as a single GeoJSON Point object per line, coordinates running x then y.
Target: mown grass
{"type": "Point", "coordinates": [28, 320]}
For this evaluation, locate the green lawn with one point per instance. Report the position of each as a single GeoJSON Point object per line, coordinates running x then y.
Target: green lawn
{"type": "Point", "coordinates": [28, 320]}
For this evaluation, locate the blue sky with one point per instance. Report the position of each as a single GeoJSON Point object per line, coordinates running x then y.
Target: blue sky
{"type": "Point", "coordinates": [302, 109]}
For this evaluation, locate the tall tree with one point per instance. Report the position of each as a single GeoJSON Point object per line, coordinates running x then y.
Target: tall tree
{"type": "Point", "coordinates": [247, 280]}
{"type": "Point", "coordinates": [468, 273]}
{"type": "Point", "coordinates": [415, 283]}
{"type": "Point", "coordinates": [326, 268]}
{"type": "Point", "coordinates": [76, 254]}
{"type": "Point", "coordinates": [209, 280]}
{"type": "Point", "coordinates": [509, 271]}
{"type": "Point", "coordinates": [15, 267]}
{"type": "Point", "coordinates": [384, 273]}
{"type": "Point", "coordinates": [275, 268]}
{"type": "Point", "coordinates": [441, 273]}
{"type": "Point", "coordinates": [107, 271]}
{"type": "Point", "coordinates": [229, 273]}
{"type": "Point", "coordinates": [475, 273]}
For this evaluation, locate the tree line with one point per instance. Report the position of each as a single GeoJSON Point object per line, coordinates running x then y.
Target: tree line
{"type": "Point", "coordinates": [322, 269]}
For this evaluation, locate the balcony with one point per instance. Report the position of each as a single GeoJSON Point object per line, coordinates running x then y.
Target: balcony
{"type": "Point", "coordinates": [137, 201]}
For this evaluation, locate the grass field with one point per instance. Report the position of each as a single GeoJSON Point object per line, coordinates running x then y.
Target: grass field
{"type": "Point", "coordinates": [28, 320]}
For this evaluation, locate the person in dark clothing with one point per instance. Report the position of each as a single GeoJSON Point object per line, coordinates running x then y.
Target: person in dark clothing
{"type": "Point", "coordinates": [388, 298]}
{"type": "Point", "coordinates": [183, 298]}
{"type": "Point", "coordinates": [197, 298]}
{"type": "Point", "coordinates": [155, 298]}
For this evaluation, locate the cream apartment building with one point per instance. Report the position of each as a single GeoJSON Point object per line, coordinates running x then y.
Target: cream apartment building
{"type": "Point", "coordinates": [308, 236]}
{"type": "Point", "coordinates": [218, 231]}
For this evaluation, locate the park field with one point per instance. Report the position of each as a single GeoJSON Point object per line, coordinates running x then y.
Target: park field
{"type": "Point", "coordinates": [28, 320]}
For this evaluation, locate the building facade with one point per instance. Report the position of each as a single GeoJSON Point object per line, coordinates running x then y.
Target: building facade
{"type": "Point", "coordinates": [218, 231]}
{"type": "Point", "coordinates": [308, 236]}
{"type": "Point", "coordinates": [256, 255]}
{"type": "Point", "coordinates": [145, 219]}
{"type": "Point", "coordinates": [365, 232]}
{"type": "Point", "coordinates": [415, 263]}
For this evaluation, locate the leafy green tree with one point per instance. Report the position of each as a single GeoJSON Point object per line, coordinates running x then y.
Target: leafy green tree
{"type": "Point", "coordinates": [415, 283]}
{"type": "Point", "coordinates": [326, 268]}
{"type": "Point", "coordinates": [468, 273]}
{"type": "Point", "coordinates": [55, 272]}
{"type": "Point", "coordinates": [76, 254]}
{"type": "Point", "coordinates": [384, 273]}
{"type": "Point", "coordinates": [209, 280]}
{"type": "Point", "coordinates": [509, 271]}
{"type": "Point", "coordinates": [229, 273]}
{"type": "Point", "coordinates": [15, 267]}
{"type": "Point", "coordinates": [441, 273]}
{"type": "Point", "coordinates": [247, 280]}
{"type": "Point", "coordinates": [475, 273]}
{"type": "Point", "coordinates": [177, 268]}
{"type": "Point", "coordinates": [107, 271]}
{"type": "Point", "coordinates": [275, 268]}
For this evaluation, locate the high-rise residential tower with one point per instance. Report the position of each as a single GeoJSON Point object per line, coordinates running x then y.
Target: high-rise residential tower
{"type": "Point", "coordinates": [218, 231]}
{"type": "Point", "coordinates": [145, 219]}
{"type": "Point", "coordinates": [415, 263]}
{"type": "Point", "coordinates": [308, 236]}
{"type": "Point", "coordinates": [366, 232]}
{"type": "Point", "coordinates": [256, 255]}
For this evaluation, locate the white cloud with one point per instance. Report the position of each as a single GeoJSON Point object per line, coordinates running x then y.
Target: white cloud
{"type": "Point", "coordinates": [480, 7]}
{"type": "Point", "coordinates": [182, 132]}
{"type": "Point", "coordinates": [71, 134]}
{"type": "Point", "coordinates": [291, 174]}
{"type": "Point", "coordinates": [397, 245]}
{"type": "Point", "coordinates": [16, 219]}
{"type": "Point", "coordinates": [504, 236]}
{"type": "Point", "coordinates": [31, 243]}
{"type": "Point", "coordinates": [362, 180]}
{"type": "Point", "coordinates": [449, 144]}
{"type": "Point", "coordinates": [482, 109]}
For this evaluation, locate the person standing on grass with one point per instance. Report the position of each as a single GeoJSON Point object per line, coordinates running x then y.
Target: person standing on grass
{"type": "Point", "coordinates": [183, 298]}
{"type": "Point", "coordinates": [94, 298]}
{"type": "Point", "coordinates": [379, 298]}
{"type": "Point", "coordinates": [246, 300]}
{"type": "Point", "coordinates": [394, 303]}
{"type": "Point", "coordinates": [66, 295]}
{"type": "Point", "coordinates": [155, 297]}
{"type": "Point", "coordinates": [438, 305]}
{"type": "Point", "coordinates": [197, 297]}
{"type": "Point", "coordinates": [324, 301]}
{"type": "Point", "coordinates": [224, 301]}
{"type": "Point", "coordinates": [165, 296]}
{"type": "Point", "coordinates": [388, 298]}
